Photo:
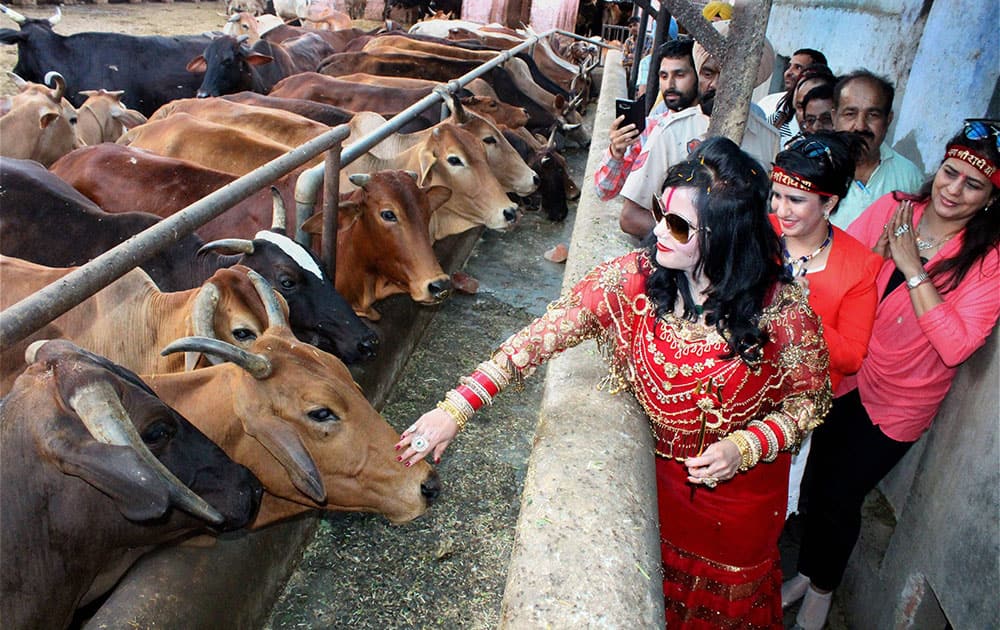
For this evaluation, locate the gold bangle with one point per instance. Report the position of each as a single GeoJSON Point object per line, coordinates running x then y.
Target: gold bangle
{"type": "Point", "coordinates": [454, 412]}
{"type": "Point", "coordinates": [460, 403]}
{"type": "Point", "coordinates": [749, 452]}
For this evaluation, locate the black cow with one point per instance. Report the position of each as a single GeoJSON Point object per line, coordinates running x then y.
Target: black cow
{"type": "Point", "coordinates": [45, 220]}
{"type": "Point", "coordinates": [320, 112]}
{"type": "Point", "coordinates": [98, 471]}
{"type": "Point", "coordinates": [230, 66]}
{"type": "Point", "coordinates": [151, 70]}
{"type": "Point", "coordinates": [551, 168]}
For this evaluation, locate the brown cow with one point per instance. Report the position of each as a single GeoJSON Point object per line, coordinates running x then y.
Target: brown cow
{"type": "Point", "coordinates": [286, 128]}
{"type": "Point", "coordinates": [212, 145]}
{"type": "Point", "coordinates": [392, 43]}
{"type": "Point", "coordinates": [104, 118]}
{"type": "Point", "coordinates": [294, 416]}
{"type": "Point", "coordinates": [38, 123]}
{"type": "Point", "coordinates": [130, 320]}
{"type": "Point", "coordinates": [505, 163]}
{"type": "Point", "coordinates": [383, 241]}
{"type": "Point", "coordinates": [452, 157]}
{"type": "Point", "coordinates": [124, 179]}
{"type": "Point", "coordinates": [94, 467]}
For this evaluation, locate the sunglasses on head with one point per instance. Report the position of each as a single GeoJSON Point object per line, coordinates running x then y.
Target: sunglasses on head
{"type": "Point", "coordinates": [811, 148]}
{"type": "Point", "coordinates": [981, 129]}
{"type": "Point", "coordinates": [679, 227]}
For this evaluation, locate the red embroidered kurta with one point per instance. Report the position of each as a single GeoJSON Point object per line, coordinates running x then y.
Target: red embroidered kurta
{"type": "Point", "coordinates": [719, 546]}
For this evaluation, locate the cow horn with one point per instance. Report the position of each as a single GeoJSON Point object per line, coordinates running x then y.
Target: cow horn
{"type": "Point", "coordinates": [242, 39]}
{"type": "Point", "coordinates": [56, 17]}
{"type": "Point", "coordinates": [551, 142]}
{"type": "Point", "coordinates": [203, 322]}
{"type": "Point", "coordinates": [360, 179]}
{"type": "Point", "coordinates": [18, 81]}
{"type": "Point", "coordinates": [457, 110]}
{"type": "Point", "coordinates": [101, 411]}
{"type": "Point", "coordinates": [14, 15]}
{"type": "Point", "coordinates": [277, 210]}
{"type": "Point", "coordinates": [32, 350]}
{"type": "Point", "coordinates": [257, 365]}
{"type": "Point", "coordinates": [228, 246]}
{"type": "Point", "coordinates": [570, 126]}
{"type": "Point", "coordinates": [53, 77]}
{"type": "Point", "coordinates": [233, 19]}
{"type": "Point", "coordinates": [275, 314]}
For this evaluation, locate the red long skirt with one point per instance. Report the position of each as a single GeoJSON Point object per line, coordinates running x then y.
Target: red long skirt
{"type": "Point", "coordinates": [721, 567]}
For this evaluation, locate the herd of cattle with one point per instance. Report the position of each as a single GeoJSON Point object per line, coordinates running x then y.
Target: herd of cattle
{"type": "Point", "coordinates": [244, 413]}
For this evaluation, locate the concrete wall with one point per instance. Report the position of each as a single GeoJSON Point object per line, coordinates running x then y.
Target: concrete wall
{"type": "Point", "coordinates": [587, 552]}
{"type": "Point", "coordinates": [942, 55]}
{"type": "Point", "coordinates": [941, 558]}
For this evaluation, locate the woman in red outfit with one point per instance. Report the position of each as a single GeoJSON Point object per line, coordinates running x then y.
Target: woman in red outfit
{"type": "Point", "coordinates": [728, 361]}
{"type": "Point", "coordinates": [939, 288]}
{"type": "Point", "coordinates": [808, 181]}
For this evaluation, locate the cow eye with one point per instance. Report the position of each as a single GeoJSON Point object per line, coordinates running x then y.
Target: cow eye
{"type": "Point", "coordinates": [158, 433]}
{"type": "Point", "coordinates": [389, 215]}
{"type": "Point", "coordinates": [455, 161]}
{"type": "Point", "coordinates": [286, 282]}
{"type": "Point", "coordinates": [323, 415]}
{"type": "Point", "coordinates": [244, 334]}
{"type": "Point", "coordinates": [489, 140]}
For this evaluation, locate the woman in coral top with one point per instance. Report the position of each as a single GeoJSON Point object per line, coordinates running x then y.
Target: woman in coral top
{"type": "Point", "coordinates": [808, 181]}
{"type": "Point", "coordinates": [728, 361]}
{"type": "Point", "coordinates": [939, 292]}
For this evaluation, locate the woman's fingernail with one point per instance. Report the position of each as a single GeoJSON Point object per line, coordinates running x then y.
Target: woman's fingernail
{"type": "Point", "coordinates": [398, 446]}
{"type": "Point", "coordinates": [399, 458]}
{"type": "Point", "coordinates": [408, 464]}
{"type": "Point", "coordinates": [437, 460]}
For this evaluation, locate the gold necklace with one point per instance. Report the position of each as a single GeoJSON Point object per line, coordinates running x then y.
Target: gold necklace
{"type": "Point", "coordinates": [925, 244]}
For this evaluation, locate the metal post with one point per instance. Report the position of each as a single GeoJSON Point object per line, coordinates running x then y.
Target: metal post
{"type": "Point", "coordinates": [652, 79]}
{"type": "Point", "coordinates": [640, 42]}
{"type": "Point", "coordinates": [25, 317]}
{"type": "Point", "coordinates": [331, 208]}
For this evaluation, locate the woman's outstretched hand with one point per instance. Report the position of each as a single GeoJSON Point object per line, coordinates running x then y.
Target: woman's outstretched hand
{"type": "Point", "coordinates": [719, 462]}
{"type": "Point", "coordinates": [431, 433]}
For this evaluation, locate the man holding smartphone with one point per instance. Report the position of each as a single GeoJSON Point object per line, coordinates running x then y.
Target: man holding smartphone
{"type": "Point", "coordinates": [679, 87]}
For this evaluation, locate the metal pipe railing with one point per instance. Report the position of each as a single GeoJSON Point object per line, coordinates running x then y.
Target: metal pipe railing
{"type": "Point", "coordinates": [28, 315]}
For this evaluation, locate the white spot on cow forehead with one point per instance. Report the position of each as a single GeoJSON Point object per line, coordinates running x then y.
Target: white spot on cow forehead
{"type": "Point", "coordinates": [295, 251]}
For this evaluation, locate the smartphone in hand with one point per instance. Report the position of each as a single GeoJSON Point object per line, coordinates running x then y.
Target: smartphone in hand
{"type": "Point", "coordinates": [634, 112]}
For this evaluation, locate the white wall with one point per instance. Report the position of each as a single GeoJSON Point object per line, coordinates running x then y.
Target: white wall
{"type": "Point", "coordinates": [944, 63]}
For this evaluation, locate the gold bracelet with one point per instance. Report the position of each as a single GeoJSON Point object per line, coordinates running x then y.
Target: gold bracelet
{"type": "Point", "coordinates": [455, 414]}
{"type": "Point", "coordinates": [749, 451]}
{"type": "Point", "coordinates": [460, 403]}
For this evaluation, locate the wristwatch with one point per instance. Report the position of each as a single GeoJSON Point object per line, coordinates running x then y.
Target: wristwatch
{"type": "Point", "coordinates": [917, 280]}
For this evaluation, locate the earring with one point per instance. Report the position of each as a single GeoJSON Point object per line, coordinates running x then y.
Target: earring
{"type": "Point", "coordinates": [826, 215]}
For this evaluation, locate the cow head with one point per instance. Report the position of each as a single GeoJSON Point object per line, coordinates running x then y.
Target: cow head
{"type": "Point", "coordinates": [227, 64]}
{"type": "Point", "coordinates": [243, 22]}
{"type": "Point", "coordinates": [307, 431]}
{"type": "Point", "coordinates": [552, 169]}
{"type": "Point", "coordinates": [319, 315]}
{"type": "Point", "coordinates": [453, 157]}
{"type": "Point", "coordinates": [496, 110]}
{"type": "Point", "coordinates": [104, 118]}
{"type": "Point", "coordinates": [40, 123]}
{"type": "Point", "coordinates": [510, 170]}
{"type": "Point", "coordinates": [383, 241]}
{"type": "Point", "coordinates": [102, 468]}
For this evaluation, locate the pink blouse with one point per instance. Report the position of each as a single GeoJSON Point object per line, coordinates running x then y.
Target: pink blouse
{"type": "Point", "coordinates": [911, 361]}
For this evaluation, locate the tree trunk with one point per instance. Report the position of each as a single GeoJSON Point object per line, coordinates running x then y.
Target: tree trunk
{"type": "Point", "coordinates": [744, 42]}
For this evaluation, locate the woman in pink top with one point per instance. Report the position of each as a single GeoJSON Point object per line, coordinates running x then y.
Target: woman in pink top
{"type": "Point", "coordinates": [940, 298]}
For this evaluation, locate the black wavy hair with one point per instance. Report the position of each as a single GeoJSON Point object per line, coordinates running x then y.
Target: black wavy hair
{"type": "Point", "coordinates": [982, 232]}
{"type": "Point", "coordinates": [740, 251]}
{"type": "Point", "coordinates": [831, 172]}
{"type": "Point", "coordinates": [822, 92]}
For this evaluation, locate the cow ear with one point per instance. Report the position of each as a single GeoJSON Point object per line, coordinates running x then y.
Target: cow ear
{"type": "Point", "coordinates": [282, 441]}
{"type": "Point", "coordinates": [314, 224]}
{"type": "Point", "coordinates": [128, 117]}
{"type": "Point", "coordinates": [437, 196]}
{"type": "Point", "coordinates": [257, 59]}
{"type": "Point", "coordinates": [197, 65]}
{"type": "Point", "coordinates": [46, 118]}
{"type": "Point", "coordinates": [117, 471]}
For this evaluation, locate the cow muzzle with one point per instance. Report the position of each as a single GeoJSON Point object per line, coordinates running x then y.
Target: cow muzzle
{"type": "Point", "coordinates": [439, 288]}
